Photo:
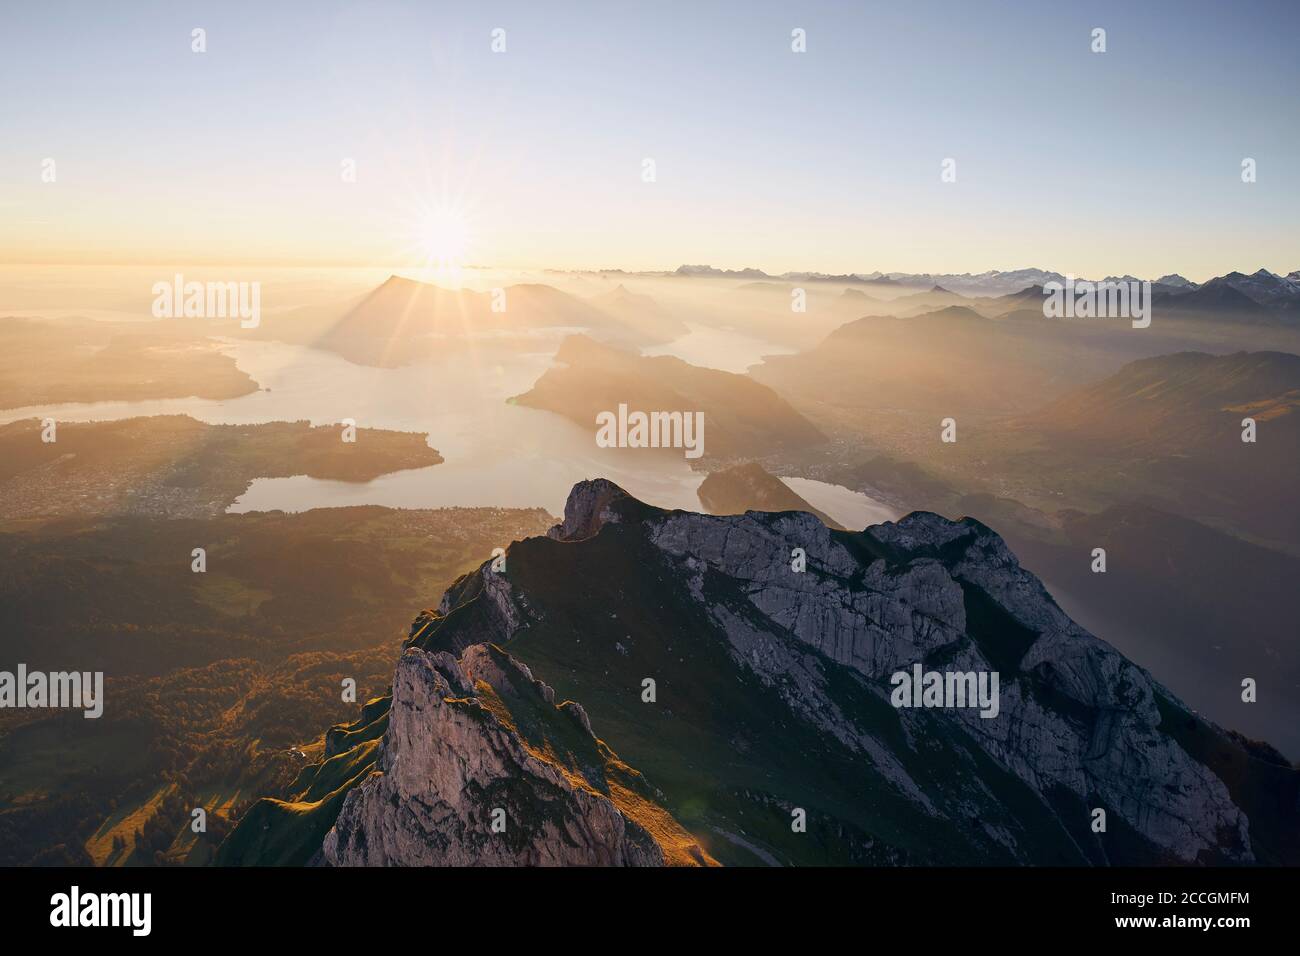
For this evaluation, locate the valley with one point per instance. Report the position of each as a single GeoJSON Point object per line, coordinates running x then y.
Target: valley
{"type": "Point", "coordinates": [216, 683]}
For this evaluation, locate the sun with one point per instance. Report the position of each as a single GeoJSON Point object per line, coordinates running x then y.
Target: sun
{"type": "Point", "coordinates": [444, 238]}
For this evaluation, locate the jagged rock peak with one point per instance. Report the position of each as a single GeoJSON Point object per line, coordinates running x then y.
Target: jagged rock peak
{"type": "Point", "coordinates": [926, 533]}
{"type": "Point", "coordinates": [591, 504]}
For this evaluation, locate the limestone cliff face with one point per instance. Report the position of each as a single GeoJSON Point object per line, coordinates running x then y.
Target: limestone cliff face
{"type": "Point", "coordinates": [774, 703]}
{"type": "Point", "coordinates": [1073, 714]}
{"type": "Point", "coordinates": [458, 782]}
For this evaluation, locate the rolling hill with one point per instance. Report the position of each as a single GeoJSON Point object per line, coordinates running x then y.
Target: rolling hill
{"type": "Point", "coordinates": [742, 417]}
{"type": "Point", "coordinates": [750, 488]}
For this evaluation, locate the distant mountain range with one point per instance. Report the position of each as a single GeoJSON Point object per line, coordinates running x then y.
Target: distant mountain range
{"type": "Point", "coordinates": [1188, 403]}
{"type": "Point", "coordinates": [1173, 424]}
{"type": "Point", "coordinates": [1262, 291]}
{"type": "Point", "coordinates": [1262, 288]}
{"type": "Point", "coordinates": [881, 367]}
{"type": "Point", "coordinates": [403, 321]}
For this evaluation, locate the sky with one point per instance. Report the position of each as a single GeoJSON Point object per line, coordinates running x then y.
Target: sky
{"type": "Point", "coordinates": [1127, 161]}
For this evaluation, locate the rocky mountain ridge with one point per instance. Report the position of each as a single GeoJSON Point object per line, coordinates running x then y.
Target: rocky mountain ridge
{"type": "Point", "coordinates": [769, 701]}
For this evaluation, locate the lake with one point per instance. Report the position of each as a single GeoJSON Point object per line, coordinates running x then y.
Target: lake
{"type": "Point", "coordinates": [495, 453]}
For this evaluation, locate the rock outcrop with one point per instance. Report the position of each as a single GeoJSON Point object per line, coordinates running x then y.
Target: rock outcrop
{"type": "Point", "coordinates": [459, 783]}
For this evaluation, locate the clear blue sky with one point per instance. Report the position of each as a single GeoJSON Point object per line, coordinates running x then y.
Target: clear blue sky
{"type": "Point", "coordinates": [1127, 161]}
